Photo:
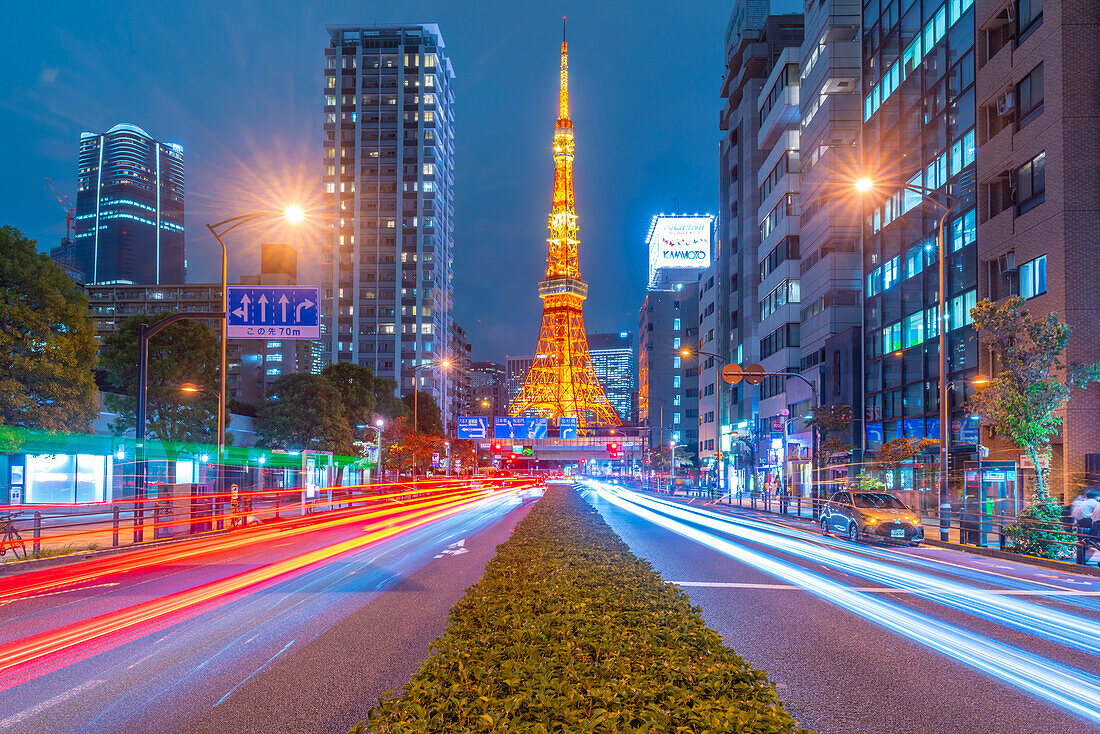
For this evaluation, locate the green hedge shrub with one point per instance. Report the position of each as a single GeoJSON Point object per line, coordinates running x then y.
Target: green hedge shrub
{"type": "Point", "coordinates": [568, 631]}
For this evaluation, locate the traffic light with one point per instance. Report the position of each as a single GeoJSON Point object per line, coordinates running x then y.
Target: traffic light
{"type": "Point", "coordinates": [497, 447]}
{"type": "Point", "coordinates": [613, 449]}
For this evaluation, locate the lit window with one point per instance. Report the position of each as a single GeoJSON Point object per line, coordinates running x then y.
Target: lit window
{"type": "Point", "coordinates": [676, 363]}
{"type": "Point", "coordinates": [676, 342]}
{"type": "Point", "coordinates": [963, 231]}
{"type": "Point", "coordinates": [429, 169]}
{"type": "Point", "coordinates": [676, 324]}
{"type": "Point", "coordinates": [273, 371]}
{"type": "Point", "coordinates": [676, 381]}
{"type": "Point", "coordinates": [1033, 277]}
{"type": "Point", "coordinates": [676, 419]}
{"type": "Point", "coordinates": [275, 345]}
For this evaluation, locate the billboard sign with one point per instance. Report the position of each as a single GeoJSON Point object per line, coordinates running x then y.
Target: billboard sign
{"type": "Point", "coordinates": [473, 426]}
{"type": "Point", "coordinates": [679, 243]}
{"type": "Point", "coordinates": [567, 427]}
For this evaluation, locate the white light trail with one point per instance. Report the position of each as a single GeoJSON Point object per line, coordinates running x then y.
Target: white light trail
{"type": "Point", "coordinates": [1071, 689]}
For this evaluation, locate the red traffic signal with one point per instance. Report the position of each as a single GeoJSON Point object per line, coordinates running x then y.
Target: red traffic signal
{"type": "Point", "coordinates": [497, 447]}
{"type": "Point", "coordinates": [612, 448]}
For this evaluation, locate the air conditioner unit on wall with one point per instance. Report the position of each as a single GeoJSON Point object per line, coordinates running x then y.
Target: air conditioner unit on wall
{"type": "Point", "coordinates": [1006, 103]}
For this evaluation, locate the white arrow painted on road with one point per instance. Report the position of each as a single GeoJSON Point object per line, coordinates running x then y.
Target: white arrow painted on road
{"type": "Point", "coordinates": [262, 300]}
{"type": "Point", "coordinates": [298, 310]}
{"type": "Point", "coordinates": [283, 301]}
{"type": "Point", "coordinates": [454, 549]}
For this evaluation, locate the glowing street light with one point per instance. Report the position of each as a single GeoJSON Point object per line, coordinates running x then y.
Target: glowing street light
{"type": "Point", "coordinates": [864, 185]}
{"type": "Point", "coordinates": [294, 214]}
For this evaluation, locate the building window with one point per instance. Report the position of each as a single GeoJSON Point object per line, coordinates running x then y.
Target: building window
{"type": "Point", "coordinates": [963, 231]}
{"type": "Point", "coordinates": [675, 325]}
{"type": "Point", "coordinates": [1029, 97]}
{"type": "Point", "coordinates": [676, 342]}
{"type": "Point", "coordinates": [958, 309]}
{"type": "Point", "coordinates": [676, 363]}
{"type": "Point", "coordinates": [676, 419]}
{"type": "Point", "coordinates": [1033, 277]}
{"type": "Point", "coordinates": [1029, 16]}
{"type": "Point", "coordinates": [1031, 184]}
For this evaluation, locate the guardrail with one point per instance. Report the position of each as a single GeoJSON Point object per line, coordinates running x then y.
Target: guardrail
{"type": "Point", "coordinates": [44, 530]}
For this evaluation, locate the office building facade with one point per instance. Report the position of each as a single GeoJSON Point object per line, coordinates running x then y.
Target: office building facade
{"type": "Point", "coordinates": [488, 389]}
{"type": "Point", "coordinates": [756, 292]}
{"type": "Point", "coordinates": [129, 208]}
{"type": "Point", "coordinates": [1038, 208]}
{"type": "Point", "coordinates": [919, 130]}
{"type": "Point", "coordinates": [613, 362]}
{"type": "Point", "coordinates": [668, 392]}
{"type": "Point", "coordinates": [388, 152]}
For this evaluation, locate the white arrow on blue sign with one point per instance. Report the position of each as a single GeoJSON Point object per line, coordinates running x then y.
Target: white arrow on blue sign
{"type": "Point", "coordinates": [265, 312]}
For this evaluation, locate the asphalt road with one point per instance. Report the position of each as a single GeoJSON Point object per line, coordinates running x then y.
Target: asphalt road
{"type": "Point", "coordinates": [298, 628]}
{"type": "Point", "coordinates": [875, 638]}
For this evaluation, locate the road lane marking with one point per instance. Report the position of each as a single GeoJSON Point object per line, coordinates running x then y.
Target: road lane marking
{"type": "Point", "coordinates": [55, 593]}
{"type": "Point", "coordinates": [456, 548]}
{"type": "Point", "coordinates": [888, 590]}
{"type": "Point", "coordinates": [254, 672]}
{"type": "Point", "coordinates": [49, 703]}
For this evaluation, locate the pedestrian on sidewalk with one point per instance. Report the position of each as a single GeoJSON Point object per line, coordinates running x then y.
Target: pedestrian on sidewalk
{"type": "Point", "coordinates": [1082, 514]}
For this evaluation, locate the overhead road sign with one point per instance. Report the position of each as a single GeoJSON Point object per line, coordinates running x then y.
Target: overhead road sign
{"type": "Point", "coordinates": [265, 312]}
{"type": "Point", "coordinates": [567, 427]}
{"type": "Point", "coordinates": [473, 427]}
{"type": "Point", "coordinates": [509, 427]}
{"type": "Point", "coordinates": [535, 427]}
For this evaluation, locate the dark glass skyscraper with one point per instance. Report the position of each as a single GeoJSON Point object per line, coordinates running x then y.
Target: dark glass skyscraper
{"type": "Point", "coordinates": [129, 208]}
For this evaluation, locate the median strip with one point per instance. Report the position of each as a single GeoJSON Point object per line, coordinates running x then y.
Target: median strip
{"type": "Point", "coordinates": [569, 631]}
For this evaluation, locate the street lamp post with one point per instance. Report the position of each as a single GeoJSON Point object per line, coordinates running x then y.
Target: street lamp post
{"type": "Point", "coordinates": [443, 363]}
{"type": "Point", "coordinates": [292, 214]}
{"type": "Point", "coordinates": [377, 428]}
{"type": "Point", "coordinates": [190, 387]}
{"type": "Point", "coordinates": [865, 185]}
{"type": "Point", "coordinates": [719, 469]}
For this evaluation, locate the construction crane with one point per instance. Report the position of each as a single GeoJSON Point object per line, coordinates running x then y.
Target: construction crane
{"type": "Point", "coordinates": [70, 210]}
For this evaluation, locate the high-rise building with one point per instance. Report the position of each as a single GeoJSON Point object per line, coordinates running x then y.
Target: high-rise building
{"type": "Point", "coordinates": [488, 389]}
{"type": "Point", "coordinates": [129, 208]}
{"type": "Point", "coordinates": [753, 308]}
{"type": "Point", "coordinates": [389, 177]}
{"type": "Point", "coordinates": [828, 245]}
{"type": "Point", "coordinates": [668, 394]}
{"type": "Point", "coordinates": [613, 361]}
{"type": "Point", "coordinates": [561, 382]}
{"type": "Point", "coordinates": [1038, 207]}
{"type": "Point", "coordinates": [516, 369]}
{"type": "Point", "coordinates": [919, 134]}
{"type": "Point", "coordinates": [458, 379]}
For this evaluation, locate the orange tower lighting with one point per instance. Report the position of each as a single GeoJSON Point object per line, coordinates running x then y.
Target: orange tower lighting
{"type": "Point", "coordinates": [562, 381]}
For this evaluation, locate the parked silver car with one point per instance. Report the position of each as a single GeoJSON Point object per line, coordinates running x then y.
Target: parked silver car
{"type": "Point", "coordinates": [871, 516]}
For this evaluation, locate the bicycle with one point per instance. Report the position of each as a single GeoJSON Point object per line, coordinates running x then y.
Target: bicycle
{"type": "Point", "coordinates": [11, 539]}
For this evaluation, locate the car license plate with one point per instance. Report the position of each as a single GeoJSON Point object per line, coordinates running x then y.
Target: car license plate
{"type": "Point", "coordinates": [897, 533]}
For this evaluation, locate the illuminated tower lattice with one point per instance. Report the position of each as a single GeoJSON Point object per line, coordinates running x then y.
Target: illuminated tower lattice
{"type": "Point", "coordinates": [562, 382]}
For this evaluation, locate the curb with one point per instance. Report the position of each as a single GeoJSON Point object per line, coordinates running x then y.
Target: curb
{"type": "Point", "coordinates": [1063, 566]}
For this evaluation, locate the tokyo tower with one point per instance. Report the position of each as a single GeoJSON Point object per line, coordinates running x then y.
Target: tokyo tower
{"type": "Point", "coordinates": [562, 382]}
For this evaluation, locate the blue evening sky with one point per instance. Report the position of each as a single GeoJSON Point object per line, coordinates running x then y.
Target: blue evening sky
{"type": "Point", "coordinates": [238, 84]}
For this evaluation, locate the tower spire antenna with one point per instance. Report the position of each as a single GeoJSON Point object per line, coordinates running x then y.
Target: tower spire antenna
{"type": "Point", "coordinates": [561, 382]}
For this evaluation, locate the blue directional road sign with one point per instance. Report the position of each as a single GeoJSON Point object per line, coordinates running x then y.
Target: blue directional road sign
{"type": "Point", "coordinates": [281, 312]}
{"type": "Point", "coordinates": [567, 427]}
{"type": "Point", "coordinates": [473, 427]}
{"type": "Point", "coordinates": [506, 427]}
{"type": "Point", "coordinates": [534, 427]}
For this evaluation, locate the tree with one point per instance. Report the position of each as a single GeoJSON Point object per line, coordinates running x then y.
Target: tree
{"type": "Point", "coordinates": [355, 384]}
{"type": "Point", "coordinates": [833, 425]}
{"type": "Point", "coordinates": [47, 342]}
{"type": "Point", "coordinates": [896, 452]}
{"type": "Point", "coordinates": [386, 402]}
{"type": "Point", "coordinates": [1033, 382]}
{"type": "Point", "coordinates": [304, 412]}
{"type": "Point", "coordinates": [407, 450]}
{"type": "Point", "coordinates": [186, 351]}
{"type": "Point", "coordinates": [428, 416]}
